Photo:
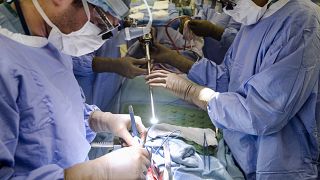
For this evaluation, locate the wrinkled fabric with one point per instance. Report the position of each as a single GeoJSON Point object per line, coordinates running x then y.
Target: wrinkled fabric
{"type": "Point", "coordinates": [213, 49]}
{"type": "Point", "coordinates": [99, 88]}
{"type": "Point", "coordinates": [180, 152]}
{"type": "Point", "coordinates": [43, 129]}
{"type": "Point", "coordinates": [188, 133]}
{"type": "Point", "coordinates": [269, 101]}
{"type": "Point", "coordinates": [216, 50]}
{"type": "Point", "coordinates": [225, 157]}
{"type": "Point", "coordinates": [186, 163]}
{"type": "Point", "coordinates": [211, 15]}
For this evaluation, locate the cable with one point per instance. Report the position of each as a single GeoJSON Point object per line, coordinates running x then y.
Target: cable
{"type": "Point", "coordinates": [167, 32]}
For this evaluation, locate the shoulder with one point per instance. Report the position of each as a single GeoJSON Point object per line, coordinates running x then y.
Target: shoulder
{"type": "Point", "coordinates": [304, 14]}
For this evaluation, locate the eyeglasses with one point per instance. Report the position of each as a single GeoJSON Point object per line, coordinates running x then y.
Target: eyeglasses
{"type": "Point", "coordinates": [100, 19]}
{"type": "Point", "coordinates": [229, 4]}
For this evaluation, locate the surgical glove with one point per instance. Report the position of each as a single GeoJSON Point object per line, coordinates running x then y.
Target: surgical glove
{"type": "Point", "coordinates": [162, 54]}
{"type": "Point", "coordinates": [125, 163]}
{"type": "Point", "coordinates": [181, 87]}
{"type": "Point", "coordinates": [118, 124]}
{"type": "Point", "coordinates": [205, 28]}
{"type": "Point", "coordinates": [126, 66]}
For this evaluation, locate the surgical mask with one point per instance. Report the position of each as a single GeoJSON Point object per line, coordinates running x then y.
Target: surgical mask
{"type": "Point", "coordinates": [218, 5]}
{"type": "Point", "coordinates": [77, 43]}
{"type": "Point", "coordinates": [246, 12]}
{"type": "Point", "coordinates": [117, 8]}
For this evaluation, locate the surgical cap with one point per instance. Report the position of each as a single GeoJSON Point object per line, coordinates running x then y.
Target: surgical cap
{"type": "Point", "coordinates": [109, 6]}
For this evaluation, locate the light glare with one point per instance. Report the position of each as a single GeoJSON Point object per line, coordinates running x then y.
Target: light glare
{"type": "Point", "coordinates": [154, 120]}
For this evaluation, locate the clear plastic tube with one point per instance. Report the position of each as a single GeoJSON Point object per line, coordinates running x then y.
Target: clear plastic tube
{"type": "Point", "coordinates": [131, 33]}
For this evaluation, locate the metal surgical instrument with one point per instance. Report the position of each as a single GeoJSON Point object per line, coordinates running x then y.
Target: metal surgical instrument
{"type": "Point", "coordinates": [205, 152]}
{"type": "Point", "coordinates": [134, 129]}
{"type": "Point", "coordinates": [147, 42]}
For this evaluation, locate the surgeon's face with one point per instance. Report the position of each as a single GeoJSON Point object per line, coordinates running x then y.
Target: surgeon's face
{"type": "Point", "coordinates": [260, 3]}
{"type": "Point", "coordinates": [73, 17]}
{"type": "Point", "coordinates": [68, 16]}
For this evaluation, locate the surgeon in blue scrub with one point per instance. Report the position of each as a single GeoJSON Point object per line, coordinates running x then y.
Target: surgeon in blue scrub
{"type": "Point", "coordinates": [265, 96]}
{"type": "Point", "coordinates": [217, 28]}
{"type": "Point", "coordinates": [45, 126]}
{"type": "Point", "coordinates": [100, 73]}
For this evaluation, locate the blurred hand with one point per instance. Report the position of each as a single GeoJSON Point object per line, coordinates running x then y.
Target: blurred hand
{"type": "Point", "coordinates": [118, 124]}
{"type": "Point", "coordinates": [161, 54]}
{"type": "Point", "coordinates": [127, 66]}
{"type": "Point", "coordinates": [205, 28]}
{"type": "Point", "coordinates": [168, 80]}
{"type": "Point", "coordinates": [130, 67]}
{"type": "Point", "coordinates": [126, 163]}
{"type": "Point", "coordinates": [181, 87]}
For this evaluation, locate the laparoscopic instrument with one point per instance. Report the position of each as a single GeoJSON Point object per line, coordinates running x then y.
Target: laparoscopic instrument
{"type": "Point", "coordinates": [147, 42]}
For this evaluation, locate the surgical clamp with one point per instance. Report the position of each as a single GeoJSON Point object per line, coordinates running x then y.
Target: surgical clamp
{"type": "Point", "coordinates": [205, 152]}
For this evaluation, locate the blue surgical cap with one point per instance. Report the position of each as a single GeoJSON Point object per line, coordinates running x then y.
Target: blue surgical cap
{"type": "Point", "coordinates": [105, 5]}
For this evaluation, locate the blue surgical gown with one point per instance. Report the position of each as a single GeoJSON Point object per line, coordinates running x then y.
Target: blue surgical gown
{"type": "Point", "coordinates": [213, 49]}
{"type": "Point", "coordinates": [269, 100]}
{"type": "Point", "coordinates": [99, 88]}
{"type": "Point", "coordinates": [43, 118]}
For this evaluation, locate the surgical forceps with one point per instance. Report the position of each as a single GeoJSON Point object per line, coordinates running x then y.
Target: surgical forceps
{"type": "Point", "coordinates": [205, 152]}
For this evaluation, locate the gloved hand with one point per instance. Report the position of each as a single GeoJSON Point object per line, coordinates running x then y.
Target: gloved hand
{"type": "Point", "coordinates": [162, 54]}
{"type": "Point", "coordinates": [126, 163]}
{"type": "Point", "coordinates": [118, 124]}
{"type": "Point", "coordinates": [181, 87]}
{"type": "Point", "coordinates": [205, 28]}
{"type": "Point", "coordinates": [125, 66]}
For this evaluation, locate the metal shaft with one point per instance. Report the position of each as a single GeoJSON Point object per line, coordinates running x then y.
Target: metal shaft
{"type": "Point", "coordinates": [149, 71]}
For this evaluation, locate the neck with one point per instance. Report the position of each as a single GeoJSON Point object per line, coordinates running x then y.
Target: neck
{"type": "Point", "coordinates": [260, 3]}
{"type": "Point", "coordinates": [37, 26]}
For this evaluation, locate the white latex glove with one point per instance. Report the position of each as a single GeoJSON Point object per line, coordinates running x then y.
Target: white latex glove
{"type": "Point", "coordinates": [181, 87]}
{"type": "Point", "coordinates": [126, 163]}
{"type": "Point", "coordinates": [118, 124]}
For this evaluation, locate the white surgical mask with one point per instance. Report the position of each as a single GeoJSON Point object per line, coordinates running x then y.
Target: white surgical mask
{"type": "Point", "coordinates": [77, 43]}
{"type": "Point", "coordinates": [246, 12]}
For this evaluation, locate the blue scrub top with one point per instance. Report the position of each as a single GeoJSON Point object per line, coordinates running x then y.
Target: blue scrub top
{"type": "Point", "coordinates": [269, 101]}
{"type": "Point", "coordinates": [43, 118]}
